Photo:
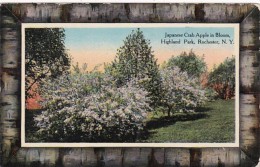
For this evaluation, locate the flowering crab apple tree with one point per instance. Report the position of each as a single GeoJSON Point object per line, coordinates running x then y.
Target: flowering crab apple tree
{"type": "Point", "coordinates": [89, 108]}
{"type": "Point", "coordinates": [181, 93]}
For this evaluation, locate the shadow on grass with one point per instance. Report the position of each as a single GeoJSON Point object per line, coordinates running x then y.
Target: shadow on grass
{"type": "Point", "coordinates": [203, 109]}
{"type": "Point", "coordinates": [167, 121]}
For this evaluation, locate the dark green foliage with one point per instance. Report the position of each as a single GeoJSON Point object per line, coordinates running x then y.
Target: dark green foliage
{"type": "Point", "coordinates": [45, 55]}
{"type": "Point", "coordinates": [135, 59]}
{"type": "Point", "coordinates": [191, 63]}
{"type": "Point", "coordinates": [222, 79]}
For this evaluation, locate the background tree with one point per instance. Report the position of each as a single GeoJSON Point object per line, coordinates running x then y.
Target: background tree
{"type": "Point", "coordinates": [45, 55]}
{"type": "Point", "coordinates": [222, 78]}
{"type": "Point", "coordinates": [135, 59]}
{"type": "Point", "coordinates": [194, 65]}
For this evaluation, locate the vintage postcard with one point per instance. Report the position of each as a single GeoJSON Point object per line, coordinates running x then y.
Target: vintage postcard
{"type": "Point", "coordinates": [130, 85]}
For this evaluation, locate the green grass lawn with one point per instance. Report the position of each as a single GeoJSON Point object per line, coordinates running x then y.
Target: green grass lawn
{"type": "Point", "coordinates": [214, 122]}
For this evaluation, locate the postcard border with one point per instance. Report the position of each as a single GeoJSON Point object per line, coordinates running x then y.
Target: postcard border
{"type": "Point", "coordinates": [110, 25]}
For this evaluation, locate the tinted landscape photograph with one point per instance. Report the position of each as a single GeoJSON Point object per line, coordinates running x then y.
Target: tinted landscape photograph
{"type": "Point", "coordinates": [136, 84]}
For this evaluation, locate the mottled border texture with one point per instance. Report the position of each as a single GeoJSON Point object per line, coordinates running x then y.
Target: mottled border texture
{"type": "Point", "coordinates": [11, 17]}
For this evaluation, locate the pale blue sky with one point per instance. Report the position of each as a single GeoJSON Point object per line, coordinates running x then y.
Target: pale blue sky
{"type": "Point", "coordinates": [99, 45]}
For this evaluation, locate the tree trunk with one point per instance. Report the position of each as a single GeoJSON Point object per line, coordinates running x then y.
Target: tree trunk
{"type": "Point", "coordinates": [169, 111]}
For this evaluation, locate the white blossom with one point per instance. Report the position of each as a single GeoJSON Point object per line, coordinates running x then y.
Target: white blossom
{"type": "Point", "coordinates": [92, 107]}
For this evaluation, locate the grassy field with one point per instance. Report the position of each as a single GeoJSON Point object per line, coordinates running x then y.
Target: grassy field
{"type": "Point", "coordinates": [214, 122]}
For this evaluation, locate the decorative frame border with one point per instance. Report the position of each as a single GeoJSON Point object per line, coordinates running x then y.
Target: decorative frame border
{"type": "Point", "coordinates": [247, 15]}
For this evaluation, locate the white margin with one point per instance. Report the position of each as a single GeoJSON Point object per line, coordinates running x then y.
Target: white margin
{"type": "Point", "coordinates": [111, 25]}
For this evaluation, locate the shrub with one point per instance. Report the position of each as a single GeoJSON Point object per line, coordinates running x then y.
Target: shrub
{"type": "Point", "coordinates": [89, 108]}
